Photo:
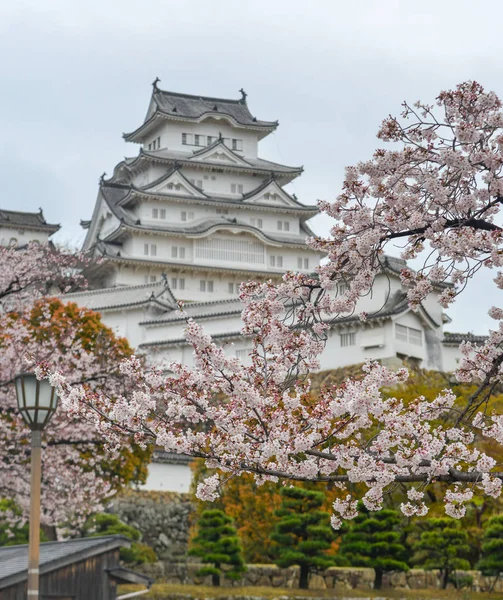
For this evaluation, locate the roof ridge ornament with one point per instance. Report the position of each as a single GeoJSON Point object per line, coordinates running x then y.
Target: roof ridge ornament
{"type": "Point", "coordinates": [243, 96]}
{"type": "Point", "coordinates": [102, 178]}
{"type": "Point", "coordinates": [154, 85]}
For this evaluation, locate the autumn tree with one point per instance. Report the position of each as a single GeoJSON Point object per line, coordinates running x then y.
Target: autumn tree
{"type": "Point", "coordinates": [39, 329]}
{"type": "Point", "coordinates": [303, 533]}
{"type": "Point", "coordinates": [437, 192]}
{"type": "Point", "coordinates": [218, 546]}
{"type": "Point", "coordinates": [374, 540]}
{"type": "Point", "coordinates": [442, 545]}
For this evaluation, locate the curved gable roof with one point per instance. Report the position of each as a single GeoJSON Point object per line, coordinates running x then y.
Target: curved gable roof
{"type": "Point", "coordinates": [189, 107]}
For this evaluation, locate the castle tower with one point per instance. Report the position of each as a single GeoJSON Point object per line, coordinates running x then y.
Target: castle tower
{"type": "Point", "coordinates": [198, 204]}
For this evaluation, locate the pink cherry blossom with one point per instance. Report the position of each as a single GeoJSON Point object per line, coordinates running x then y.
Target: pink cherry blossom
{"type": "Point", "coordinates": [437, 192]}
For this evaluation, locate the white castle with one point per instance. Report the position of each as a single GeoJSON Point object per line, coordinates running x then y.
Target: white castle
{"type": "Point", "coordinates": [195, 213]}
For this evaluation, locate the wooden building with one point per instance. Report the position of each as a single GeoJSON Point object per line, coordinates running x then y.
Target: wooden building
{"type": "Point", "coordinates": [82, 569]}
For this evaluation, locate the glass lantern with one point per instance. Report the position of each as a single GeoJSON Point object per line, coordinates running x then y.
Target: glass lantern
{"type": "Point", "coordinates": [36, 400]}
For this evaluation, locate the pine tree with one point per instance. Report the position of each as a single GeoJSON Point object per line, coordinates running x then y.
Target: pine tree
{"type": "Point", "coordinates": [442, 546]}
{"type": "Point", "coordinates": [110, 524]}
{"type": "Point", "coordinates": [217, 544]}
{"type": "Point", "coordinates": [374, 541]}
{"type": "Point", "coordinates": [303, 533]}
{"type": "Point", "coordinates": [491, 563]}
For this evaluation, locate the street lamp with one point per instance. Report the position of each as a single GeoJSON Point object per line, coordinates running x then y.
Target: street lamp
{"type": "Point", "coordinates": [37, 402]}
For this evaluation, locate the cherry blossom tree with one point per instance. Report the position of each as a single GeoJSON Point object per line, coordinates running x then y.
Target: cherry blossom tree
{"type": "Point", "coordinates": [437, 192]}
{"type": "Point", "coordinates": [36, 328]}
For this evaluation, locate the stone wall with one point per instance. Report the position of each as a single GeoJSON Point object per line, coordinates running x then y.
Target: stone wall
{"type": "Point", "coordinates": [339, 579]}
{"type": "Point", "coordinates": [161, 517]}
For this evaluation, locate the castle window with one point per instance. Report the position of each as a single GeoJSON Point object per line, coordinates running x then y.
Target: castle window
{"type": "Point", "coordinates": [408, 335]}
{"type": "Point", "coordinates": [153, 278]}
{"type": "Point", "coordinates": [233, 288]}
{"type": "Point", "coordinates": [236, 188]}
{"type": "Point", "coordinates": [283, 225]}
{"type": "Point", "coordinates": [177, 252]}
{"type": "Point", "coordinates": [256, 222]}
{"type": "Point", "coordinates": [276, 261]}
{"type": "Point", "coordinates": [184, 215]}
{"type": "Point", "coordinates": [163, 213]}
{"type": "Point", "coordinates": [145, 249]}
{"type": "Point", "coordinates": [302, 263]}
{"type": "Point", "coordinates": [206, 286]}
{"type": "Point", "coordinates": [198, 140]}
{"type": "Point", "coordinates": [150, 249]}
{"type": "Point", "coordinates": [222, 211]}
{"type": "Point", "coordinates": [210, 139]}
{"type": "Point", "coordinates": [237, 144]}
{"type": "Point", "coordinates": [187, 139]}
{"type": "Point", "coordinates": [181, 284]}
{"type": "Point", "coordinates": [243, 354]}
{"type": "Point", "coordinates": [342, 287]}
{"type": "Point", "coordinates": [155, 213]}
{"type": "Point", "coordinates": [230, 249]}
{"type": "Point", "coordinates": [348, 339]}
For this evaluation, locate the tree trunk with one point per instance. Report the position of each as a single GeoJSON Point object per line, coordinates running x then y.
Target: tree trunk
{"type": "Point", "coordinates": [378, 579]}
{"type": "Point", "coordinates": [215, 579]}
{"type": "Point", "coordinates": [304, 577]}
{"type": "Point", "coordinates": [495, 580]}
{"type": "Point", "coordinates": [445, 578]}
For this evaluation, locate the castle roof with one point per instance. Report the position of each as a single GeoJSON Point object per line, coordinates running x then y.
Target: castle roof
{"type": "Point", "coordinates": [199, 311]}
{"type": "Point", "coordinates": [27, 220]}
{"type": "Point", "coordinates": [176, 106]}
{"type": "Point", "coordinates": [302, 210]}
{"type": "Point", "coordinates": [113, 195]}
{"type": "Point", "coordinates": [168, 157]}
{"type": "Point", "coordinates": [126, 297]}
{"type": "Point", "coordinates": [455, 339]}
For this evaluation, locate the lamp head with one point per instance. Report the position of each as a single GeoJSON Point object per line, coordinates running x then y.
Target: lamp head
{"type": "Point", "coordinates": [36, 400]}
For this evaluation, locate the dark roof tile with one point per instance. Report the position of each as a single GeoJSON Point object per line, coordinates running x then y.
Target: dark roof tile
{"type": "Point", "coordinates": [29, 220]}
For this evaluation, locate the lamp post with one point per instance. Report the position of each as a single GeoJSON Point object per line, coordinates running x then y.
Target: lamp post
{"type": "Point", "coordinates": [37, 401]}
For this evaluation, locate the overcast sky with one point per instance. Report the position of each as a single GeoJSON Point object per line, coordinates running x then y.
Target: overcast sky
{"type": "Point", "coordinates": [75, 75]}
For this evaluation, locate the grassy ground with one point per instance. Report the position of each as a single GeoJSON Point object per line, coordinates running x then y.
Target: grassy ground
{"type": "Point", "coordinates": [162, 591]}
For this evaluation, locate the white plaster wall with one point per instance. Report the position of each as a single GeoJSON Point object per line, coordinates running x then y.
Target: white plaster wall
{"type": "Point", "coordinates": [21, 236]}
{"type": "Point", "coordinates": [451, 358]}
{"type": "Point", "coordinates": [168, 478]}
{"type": "Point", "coordinates": [219, 184]}
{"type": "Point", "coordinates": [134, 247]}
{"type": "Point", "coordinates": [170, 133]}
{"type": "Point", "coordinates": [174, 215]}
